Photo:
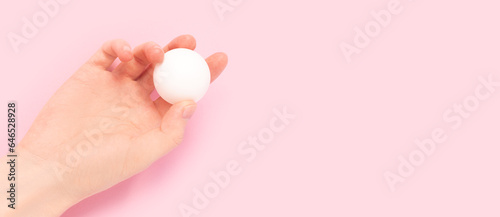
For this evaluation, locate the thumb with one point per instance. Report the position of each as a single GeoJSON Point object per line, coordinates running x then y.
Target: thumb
{"type": "Point", "coordinates": [175, 119]}
{"type": "Point", "coordinates": [158, 142]}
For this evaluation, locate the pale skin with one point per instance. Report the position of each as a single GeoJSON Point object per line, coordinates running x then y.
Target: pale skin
{"type": "Point", "coordinates": [98, 129]}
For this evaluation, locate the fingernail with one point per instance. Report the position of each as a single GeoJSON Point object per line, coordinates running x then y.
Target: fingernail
{"type": "Point", "coordinates": [158, 49]}
{"type": "Point", "coordinates": [188, 111]}
{"type": "Point", "coordinates": [126, 48]}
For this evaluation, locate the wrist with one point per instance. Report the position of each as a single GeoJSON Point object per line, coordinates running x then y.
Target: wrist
{"type": "Point", "coordinates": [37, 192]}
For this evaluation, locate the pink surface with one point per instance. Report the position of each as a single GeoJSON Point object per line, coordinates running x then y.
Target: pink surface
{"type": "Point", "coordinates": [352, 119]}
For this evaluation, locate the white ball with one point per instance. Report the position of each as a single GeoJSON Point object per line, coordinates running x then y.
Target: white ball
{"type": "Point", "coordinates": [183, 75]}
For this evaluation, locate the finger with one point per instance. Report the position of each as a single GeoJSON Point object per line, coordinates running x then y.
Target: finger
{"type": "Point", "coordinates": [217, 63]}
{"type": "Point", "coordinates": [163, 139]}
{"type": "Point", "coordinates": [144, 55]}
{"type": "Point", "coordinates": [183, 41]}
{"type": "Point", "coordinates": [109, 51]}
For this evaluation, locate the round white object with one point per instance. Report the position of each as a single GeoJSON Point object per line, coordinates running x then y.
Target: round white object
{"type": "Point", "coordinates": [183, 75]}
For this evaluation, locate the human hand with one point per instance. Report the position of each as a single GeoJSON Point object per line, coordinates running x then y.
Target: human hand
{"type": "Point", "coordinates": [100, 128]}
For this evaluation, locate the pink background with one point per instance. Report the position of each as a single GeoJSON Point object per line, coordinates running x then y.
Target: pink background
{"type": "Point", "coordinates": [352, 119]}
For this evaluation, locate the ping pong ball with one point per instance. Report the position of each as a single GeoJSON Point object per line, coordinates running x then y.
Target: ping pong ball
{"type": "Point", "coordinates": [183, 75]}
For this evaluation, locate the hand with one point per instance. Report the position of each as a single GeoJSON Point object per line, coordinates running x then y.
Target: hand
{"type": "Point", "coordinates": [100, 128]}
